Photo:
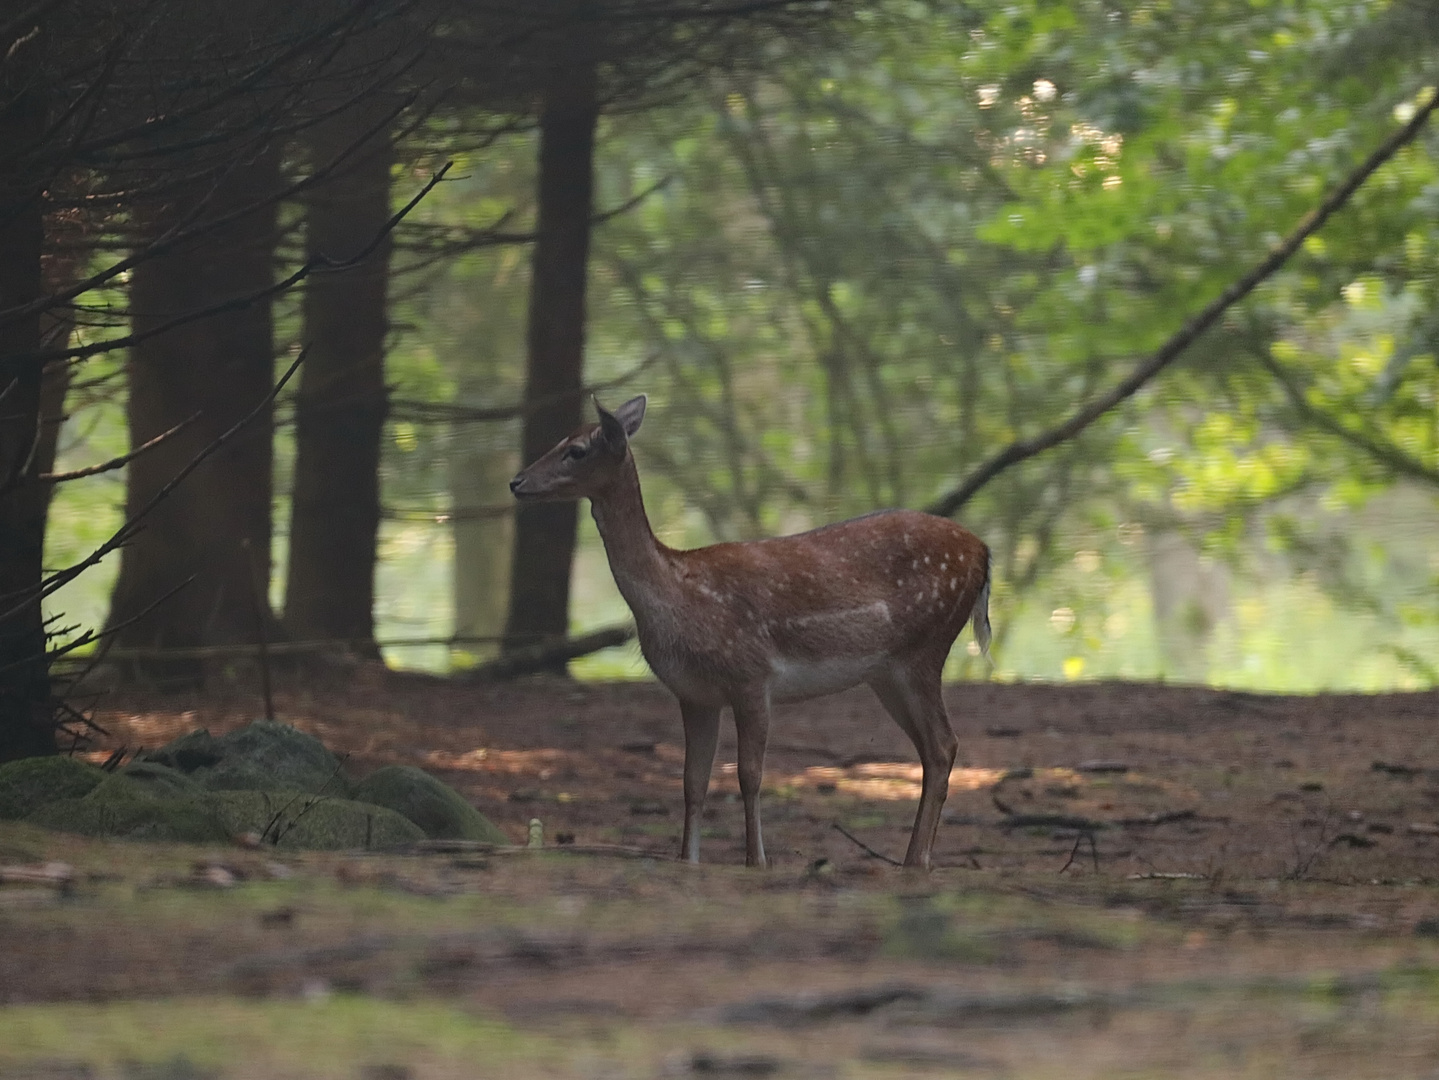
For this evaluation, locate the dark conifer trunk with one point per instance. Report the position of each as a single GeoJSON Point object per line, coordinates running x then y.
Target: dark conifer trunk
{"type": "Point", "coordinates": [25, 717]}
{"type": "Point", "coordinates": [544, 543]}
{"type": "Point", "coordinates": [66, 251]}
{"type": "Point", "coordinates": [335, 514]}
{"type": "Point", "coordinates": [215, 526]}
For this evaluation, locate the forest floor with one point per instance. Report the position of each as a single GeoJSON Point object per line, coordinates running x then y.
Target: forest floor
{"type": "Point", "coordinates": [1131, 880]}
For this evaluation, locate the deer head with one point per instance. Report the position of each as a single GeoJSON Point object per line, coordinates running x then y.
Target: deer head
{"type": "Point", "coordinates": [585, 464]}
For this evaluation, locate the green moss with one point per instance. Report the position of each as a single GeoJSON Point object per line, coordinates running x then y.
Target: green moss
{"type": "Point", "coordinates": [302, 820]}
{"type": "Point", "coordinates": [29, 784]}
{"type": "Point", "coordinates": [436, 808]}
{"type": "Point", "coordinates": [155, 780]}
{"type": "Point", "coordinates": [260, 756]}
{"type": "Point", "coordinates": [124, 815]}
{"type": "Point", "coordinates": [153, 802]}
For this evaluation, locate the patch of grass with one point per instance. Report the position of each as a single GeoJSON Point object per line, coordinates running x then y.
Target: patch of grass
{"type": "Point", "coordinates": [662, 828]}
{"type": "Point", "coordinates": [336, 1036]}
{"type": "Point", "coordinates": [865, 821]}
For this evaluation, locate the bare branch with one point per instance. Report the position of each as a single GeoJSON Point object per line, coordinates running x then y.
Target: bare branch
{"type": "Point", "coordinates": [90, 636]}
{"type": "Point", "coordinates": [125, 532]}
{"type": "Point", "coordinates": [121, 461]}
{"type": "Point", "coordinates": [186, 230]}
{"type": "Point", "coordinates": [445, 412]}
{"type": "Point", "coordinates": [318, 264]}
{"type": "Point", "coordinates": [1385, 453]}
{"type": "Point", "coordinates": [1023, 449]}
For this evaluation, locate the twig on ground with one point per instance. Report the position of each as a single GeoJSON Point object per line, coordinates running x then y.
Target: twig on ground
{"type": "Point", "coordinates": [865, 847]}
{"type": "Point", "coordinates": [1052, 821]}
{"type": "Point", "coordinates": [1084, 834]}
{"type": "Point", "coordinates": [1305, 861]}
{"type": "Point", "coordinates": [1161, 817]}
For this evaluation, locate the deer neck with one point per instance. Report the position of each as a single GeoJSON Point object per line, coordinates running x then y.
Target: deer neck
{"type": "Point", "coordinates": [638, 561]}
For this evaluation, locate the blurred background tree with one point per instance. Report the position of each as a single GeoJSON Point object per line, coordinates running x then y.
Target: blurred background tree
{"type": "Point", "coordinates": [141, 193]}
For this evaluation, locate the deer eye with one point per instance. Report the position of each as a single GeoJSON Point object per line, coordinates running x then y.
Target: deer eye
{"type": "Point", "coordinates": [575, 451]}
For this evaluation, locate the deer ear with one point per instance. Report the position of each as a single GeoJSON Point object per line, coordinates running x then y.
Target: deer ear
{"type": "Point", "coordinates": [631, 414]}
{"type": "Point", "coordinates": [611, 429]}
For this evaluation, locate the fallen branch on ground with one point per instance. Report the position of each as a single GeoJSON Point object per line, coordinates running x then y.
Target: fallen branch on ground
{"type": "Point", "coordinates": [549, 654]}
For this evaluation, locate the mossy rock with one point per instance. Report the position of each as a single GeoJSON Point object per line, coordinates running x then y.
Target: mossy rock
{"type": "Point", "coordinates": [437, 808]}
{"type": "Point", "coordinates": [30, 783]}
{"type": "Point", "coordinates": [196, 750]}
{"type": "Point", "coordinates": [260, 756]}
{"type": "Point", "coordinates": [129, 816]}
{"type": "Point", "coordinates": [156, 780]}
{"type": "Point", "coordinates": [319, 823]}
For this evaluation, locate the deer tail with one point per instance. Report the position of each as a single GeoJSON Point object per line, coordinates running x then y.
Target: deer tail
{"type": "Point", "coordinates": [979, 617]}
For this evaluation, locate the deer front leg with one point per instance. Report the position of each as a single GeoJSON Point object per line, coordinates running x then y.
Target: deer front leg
{"type": "Point", "coordinates": [701, 736]}
{"type": "Point", "coordinates": [751, 722]}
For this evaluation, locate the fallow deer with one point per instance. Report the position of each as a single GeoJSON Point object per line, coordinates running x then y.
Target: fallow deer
{"type": "Point", "coordinates": [877, 599]}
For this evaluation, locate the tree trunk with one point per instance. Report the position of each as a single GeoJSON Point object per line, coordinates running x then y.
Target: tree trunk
{"type": "Point", "coordinates": [544, 543]}
{"type": "Point", "coordinates": [66, 253]}
{"type": "Point", "coordinates": [335, 509]}
{"type": "Point", "coordinates": [215, 527]}
{"type": "Point", "coordinates": [26, 727]}
{"type": "Point", "coordinates": [479, 466]}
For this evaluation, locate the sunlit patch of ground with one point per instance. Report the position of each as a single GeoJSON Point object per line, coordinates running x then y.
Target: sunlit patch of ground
{"type": "Point", "coordinates": [887, 779]}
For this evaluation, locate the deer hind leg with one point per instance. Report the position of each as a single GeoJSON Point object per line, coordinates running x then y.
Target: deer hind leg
{"type": "Point", "coordinates": [751, 722]}
{"type": "Point", "coordinates": [701, 724]}
{"type": "Point", "coordinates": [911, 693]}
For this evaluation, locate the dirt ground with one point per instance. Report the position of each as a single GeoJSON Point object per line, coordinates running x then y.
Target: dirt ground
{"type": "Point", "coordinates": [1238, 785]}
{"type": "Point", "coordinates": [1130, 880]}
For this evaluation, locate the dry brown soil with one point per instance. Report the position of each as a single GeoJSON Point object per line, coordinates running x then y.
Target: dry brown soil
{"type": "Point", "coordinates": [1131, 880]}
{"type": "Point", "coordinates": [1239, 785]}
